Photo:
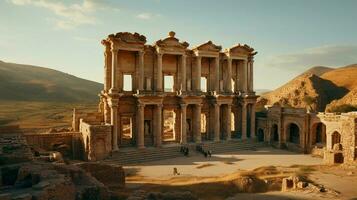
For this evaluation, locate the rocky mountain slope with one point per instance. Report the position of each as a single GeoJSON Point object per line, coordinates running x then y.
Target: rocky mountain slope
{"type": "Point", "coordinates": [316, 88]}
{"type": "Point", "coordinates": [31, 83]}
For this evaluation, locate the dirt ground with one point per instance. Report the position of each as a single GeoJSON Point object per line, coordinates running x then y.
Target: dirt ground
{"type": "Point", "coordinates": [214, 178]}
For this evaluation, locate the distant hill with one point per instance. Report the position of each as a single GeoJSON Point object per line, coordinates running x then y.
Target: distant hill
{"type": "Point", "coordinates": [316, 88]}
{"type": "Point", "coordinates": [20, 82]}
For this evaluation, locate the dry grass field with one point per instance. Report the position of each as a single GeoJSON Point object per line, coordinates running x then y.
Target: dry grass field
{"type": "Point", "coordinates": [40, 115]}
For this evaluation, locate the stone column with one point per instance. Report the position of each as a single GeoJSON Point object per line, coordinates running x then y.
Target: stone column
{"type": "Point", "coordinates": [216, 122]}
{"type": "Point", "coordinates": [183, 124]}
{"type": "Point", "coordinates": [183, 72]}
{"type": "Point", "coordinates": [197, 123]}
{"type": "Point", "coordinates": [159, 73]}
{"type": "Point", "coordinates": [198, 75]}
{"type": "Point", "coordinates": [251, 88]}
{"type": "Point", "coordinates": [245, 77]}
{"type": "Point", "coordinates": [229, 75]}
{"type": "Point", "coordinates": [158, 128]}
{"type": "Point", "coordinates": [228, 123]}
{"type": "Point", "coordinates": [244, 121]}
{"type": "Point", "coordinates": [140, 126]}
{"type": "Point", "coordinates": [216, 83]}
{"type": "Point", "coordinates": [114, 87]}
{"type": "Point", "coordinates": [141, 71]}
{"type": "Point", "coordinates": [106, 68]}
{"type": "Point", "coordinates": [113, 103]}
{"type": "Point", "coordinates": [252, 122]}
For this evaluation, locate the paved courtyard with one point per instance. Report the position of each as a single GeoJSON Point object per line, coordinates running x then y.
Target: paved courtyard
{"type": "Point", "coordinates": [221, 164]}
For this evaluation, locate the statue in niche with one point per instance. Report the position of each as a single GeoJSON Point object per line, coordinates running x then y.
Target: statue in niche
{"type": "Point", "coordinates": [147, 130]}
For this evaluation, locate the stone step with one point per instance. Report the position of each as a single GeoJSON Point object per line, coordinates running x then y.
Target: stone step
{"type": "Point", "coordinates": [134, 156]}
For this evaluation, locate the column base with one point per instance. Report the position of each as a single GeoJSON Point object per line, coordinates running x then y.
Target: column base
{"type": "Point", "coordinates": [141, 147]}
{"type": "Point", "coordinates": [115, 149]}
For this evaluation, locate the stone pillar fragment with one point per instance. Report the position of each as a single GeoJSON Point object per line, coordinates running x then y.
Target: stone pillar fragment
{"type": "Point", "coordinates": [183, 124]}
{"type": "Point", "coordinates": [216, 122]}
{"type": "Point", "coordinates": [140, 126]}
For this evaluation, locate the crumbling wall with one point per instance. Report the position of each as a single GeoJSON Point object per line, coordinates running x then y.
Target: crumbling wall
{"type": "Point", "coordinates": [97, 140]}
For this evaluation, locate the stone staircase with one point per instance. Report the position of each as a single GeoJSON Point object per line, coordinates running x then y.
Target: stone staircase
{"type": "Point", "coordinates": [132, 156]}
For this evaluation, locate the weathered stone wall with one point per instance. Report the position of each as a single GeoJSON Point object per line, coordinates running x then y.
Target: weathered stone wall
{"type": "Point", "coordinates": [344, 124]}
{"type": "Point", "coordinates": [97, 140]}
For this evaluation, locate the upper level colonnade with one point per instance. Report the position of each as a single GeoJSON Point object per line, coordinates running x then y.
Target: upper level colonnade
{"type": "Point", "coordinates": [131, 66]}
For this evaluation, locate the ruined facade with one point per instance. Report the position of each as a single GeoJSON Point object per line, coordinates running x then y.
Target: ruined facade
{"type": "Point", "coordinates": [329, 135]}
{"type": "Point", "coordinates": [167, 93]}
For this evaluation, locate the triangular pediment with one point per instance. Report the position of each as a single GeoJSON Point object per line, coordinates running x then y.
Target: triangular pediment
{"type": "Point", "coordinates": [208, 46]}
{"type": "Point", "coordinates": [171, 41]}
{"type": "Point", "coordinates": [241, 48]}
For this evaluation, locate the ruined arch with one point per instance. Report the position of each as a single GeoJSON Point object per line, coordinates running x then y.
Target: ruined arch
{"type": "Point", "coordinates": [318, 133]}
{"type": "Point", "coordinates": [293, 132]}
{"type": "Point", "coordinates": [260, 135]}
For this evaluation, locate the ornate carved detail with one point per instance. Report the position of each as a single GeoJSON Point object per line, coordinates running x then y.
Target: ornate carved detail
{"type": "Point", "coordinates": [128, 37]}
{"type": "Point", "coordinates": [208, 46]}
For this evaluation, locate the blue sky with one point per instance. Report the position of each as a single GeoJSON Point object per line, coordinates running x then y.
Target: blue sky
{"type": "Point", "coordinates": [290, 36]}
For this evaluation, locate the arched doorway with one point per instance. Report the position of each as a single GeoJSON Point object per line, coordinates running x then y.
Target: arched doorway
{"type": "Point", "coordinates": [319, 134]}
{"type": "Point", "coordinates": [294, 133]}
{"type": "Point", "coordinates": [335, 138]}
{"type": "Point", "coordinates": [260, 135]}
{"type": "Point", "coordinates": [274, 133]}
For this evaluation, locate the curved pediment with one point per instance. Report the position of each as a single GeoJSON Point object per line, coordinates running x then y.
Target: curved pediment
{"type": "Point", "coordinates": [127, 37]}
{"type": "Point", "coordinates": [171, 42]}
{"type": "Point", "coordinates": [208, 46]}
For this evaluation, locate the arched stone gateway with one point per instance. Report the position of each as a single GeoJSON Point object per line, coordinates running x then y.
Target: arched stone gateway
{"type": "Point", "coordinates": [294, 133]}
{"type": "Point", "coordinates": [274, 137]}
{"type": "Point", "coordinates": [260, 135]}
{"type": "Point", "coordinates": [318, 134]}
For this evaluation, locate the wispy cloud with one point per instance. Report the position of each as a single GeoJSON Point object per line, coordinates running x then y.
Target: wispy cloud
{"type": "Point", "coordinates": [330, 55]}
{"type": "Point", "coordinates": [69, 16]}
{"type": "Point", "coordinates": [147, 16]}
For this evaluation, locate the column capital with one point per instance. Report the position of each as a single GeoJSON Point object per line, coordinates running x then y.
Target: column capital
{"type": "Point", "coordinates": [140, 106]}
{"type": "Point", "coordinates": [114, 48]}
{"type": "Point", "coordinates": [159, 54]}
{"type": "Point", "coordinates": [183, 105]}
{"type": "Point", "coordinates": [160, 106]}
{"type": "Point", "coordinates": [113, 102]}
{"type": "Point", "coordinates": [184, 55]}
{"type": "Point", "coordinates": [141, 52]}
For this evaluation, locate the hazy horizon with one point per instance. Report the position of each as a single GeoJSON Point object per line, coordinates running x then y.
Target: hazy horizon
{"type": "Point", "coordinates": [290, 37]}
